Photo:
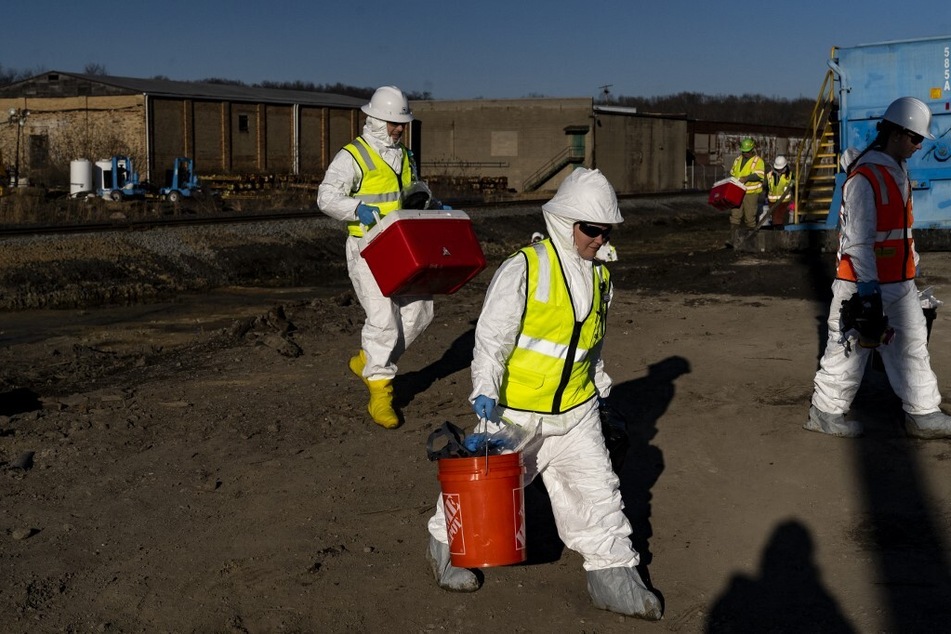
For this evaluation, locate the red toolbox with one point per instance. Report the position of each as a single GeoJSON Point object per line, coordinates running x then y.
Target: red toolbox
{"type": "Point", "coordinates": [422, 252]}
{"type": "Point", "coordinates": [727, 194]}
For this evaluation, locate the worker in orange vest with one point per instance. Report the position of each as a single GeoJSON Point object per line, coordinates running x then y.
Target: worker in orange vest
{"type": "Point", "coordinates": [875, 302]}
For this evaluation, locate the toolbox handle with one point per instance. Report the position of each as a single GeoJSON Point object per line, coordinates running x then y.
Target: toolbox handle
{"type": "Point", "coordinates": [365, 228]}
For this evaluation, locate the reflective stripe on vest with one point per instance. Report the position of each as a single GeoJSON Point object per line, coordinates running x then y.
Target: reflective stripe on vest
{"type": "Point", "coordinates": [894, 245]}
{"type": "Point", "coordinates": [551, 369]}
{"type": "Point", "coordinates": [754, 165]}
{"type": "Point", "coordinates": [380, 186]}
{"type": "Point", "coordinates": [777, 186]}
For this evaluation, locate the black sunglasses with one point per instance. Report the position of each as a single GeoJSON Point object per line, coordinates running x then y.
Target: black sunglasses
{"type": "Point", "coordinates": [915, 137]}
{"type": "Point", "coordinates": [593, 231]}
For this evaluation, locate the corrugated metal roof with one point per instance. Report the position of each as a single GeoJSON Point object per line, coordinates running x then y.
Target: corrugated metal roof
{"type": "Point", "coordinates": [219, 92]}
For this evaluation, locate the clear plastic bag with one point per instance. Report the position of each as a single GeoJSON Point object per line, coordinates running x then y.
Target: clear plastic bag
{"type": "Point", "coordinates": [507, 439]}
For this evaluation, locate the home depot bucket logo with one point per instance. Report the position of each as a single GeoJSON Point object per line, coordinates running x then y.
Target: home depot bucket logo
{"type": "Point", "coordinates": [453, 510]}
{"type": "Point", "coordinates": [452, 506]}
{"type": "Point", "coordinates": [517, 499]}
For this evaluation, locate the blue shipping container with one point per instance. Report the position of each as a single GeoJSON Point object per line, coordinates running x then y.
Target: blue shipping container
{"type": "Point", "coordinates": [871, 76]}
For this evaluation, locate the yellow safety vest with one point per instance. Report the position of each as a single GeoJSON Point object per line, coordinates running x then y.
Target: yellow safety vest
{"type": "Point", "coordinates": [754, 165]}
{"type": "Point", "coordinates": [551, 369]}
{"type": "Point", "coordinates": [380, 186]}
{"type": "Point", "coordinates": [777, 186]}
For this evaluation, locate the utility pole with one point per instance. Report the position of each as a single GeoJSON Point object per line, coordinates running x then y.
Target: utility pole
{"type": "Point", "coordinates": [17, 118]}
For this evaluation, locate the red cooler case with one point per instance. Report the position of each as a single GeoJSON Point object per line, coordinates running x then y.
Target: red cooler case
{"type": "Point", "coordinates": [727, 194]}
{"type": "Point", "coordinates": [422, 252]}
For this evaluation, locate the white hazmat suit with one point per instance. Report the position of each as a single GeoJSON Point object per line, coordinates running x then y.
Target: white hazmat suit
{"type": "Point", "coordinates": [906, 359]}
{"type": "Point", "coordinates": [566, 449]}
{"type": "Point", "coordinates": [392, 324]}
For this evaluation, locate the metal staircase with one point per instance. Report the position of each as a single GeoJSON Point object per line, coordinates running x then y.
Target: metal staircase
{"type": "Point", "coordinates": [574, 153]}
{"type": "Point", "coordinates": [817, 161]}
{"type": "Point", "coordinates": [564, 158]}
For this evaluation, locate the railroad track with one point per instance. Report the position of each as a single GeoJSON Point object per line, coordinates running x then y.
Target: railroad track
{"type": "Point", "coordinates": [221, 218]}
{"type": "Point", "coordinates": [143, 224]}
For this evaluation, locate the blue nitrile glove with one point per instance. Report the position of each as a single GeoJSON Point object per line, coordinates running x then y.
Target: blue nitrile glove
{"type": "Point", "coordinates": [474, 442]}
{"type": "Point", "coordinates": [483, 406]}
{"type": "Point", "coordinates": [365, 214]}
{"type": "Point", "coordinates": [868, 288]}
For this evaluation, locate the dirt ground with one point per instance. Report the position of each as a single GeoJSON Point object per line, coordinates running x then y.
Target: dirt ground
{"type": "Point", "coordinates": [204, 462]}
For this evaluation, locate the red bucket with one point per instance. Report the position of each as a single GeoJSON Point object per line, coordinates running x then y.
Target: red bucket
{"type": "Point", "coordinates": [484, 502]}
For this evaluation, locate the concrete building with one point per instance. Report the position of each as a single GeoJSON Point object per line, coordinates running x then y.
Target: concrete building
{"type": "Point", "coordinates": [485, 148]}
{"type": "Point", "coordinates": [525, 147]}
{"type": "Point", "coordinates": [227, 129]}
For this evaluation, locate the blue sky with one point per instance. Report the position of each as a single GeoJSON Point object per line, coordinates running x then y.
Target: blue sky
{"type": "Point", "coordinates": [457, 49]}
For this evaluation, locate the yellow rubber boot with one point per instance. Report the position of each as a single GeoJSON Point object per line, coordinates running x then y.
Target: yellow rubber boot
{"type": "Point", "coordinates": [357, 363]}
{"type": "Point", "coordinates": [381, 403]}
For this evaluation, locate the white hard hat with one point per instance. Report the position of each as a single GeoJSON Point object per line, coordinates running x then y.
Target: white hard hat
{"type": "Point", "coordinates": [911, 114]}
{"type": "Point", "coordinates": [585, 195]}
{"type": "Point", "coordinates": [389, 103]}
{"type": "Point", "coordinates": [779, 163]}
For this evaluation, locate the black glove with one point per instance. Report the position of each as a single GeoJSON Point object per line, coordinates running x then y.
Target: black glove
{"type": "Point", "coordinates": [865, 315]}
{"type": "Point", "coordinates": [614, 429]}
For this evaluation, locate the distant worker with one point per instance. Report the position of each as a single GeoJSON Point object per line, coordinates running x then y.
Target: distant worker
{"type": "Point", "coordinates": [750, 169]}
{"type": "Point", "coordinates": [875, 303]}
{"type": "Point", "coordinates": [778, 181]}
{"type": "Point", "coordinates": [537, 365]}
{"type": "Point", "coordinates": [365, 181]}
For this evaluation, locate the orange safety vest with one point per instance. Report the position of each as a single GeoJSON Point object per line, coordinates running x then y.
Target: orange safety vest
{"type": "Point", "coordinates": [894, 246]}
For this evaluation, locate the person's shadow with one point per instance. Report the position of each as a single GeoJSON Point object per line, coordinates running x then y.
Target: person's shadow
{"type": "Point", "coordinates": [18, 401]}
{"type": "Point", "coordinates": [788, 595]}
{"type": "Point", "coordinates": [457, 356]}
{"type": "Point", "coordinates": [641, 403]}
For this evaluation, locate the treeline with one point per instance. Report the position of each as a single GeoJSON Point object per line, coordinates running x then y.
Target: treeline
{"type": "Point", "coordinates": [723, 108]}
{"type": "Point", "coordinates": [309, 86]}
{"type": "Point", "coordinates": [10, 75]}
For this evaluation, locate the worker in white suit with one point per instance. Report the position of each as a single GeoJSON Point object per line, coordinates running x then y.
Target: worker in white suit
{"type": "Point", "coordinates": [537, 367]}
{"type": "Point", "coordinates": [366, 180]}
{"type": "Point", "coordinates": [875, 302]}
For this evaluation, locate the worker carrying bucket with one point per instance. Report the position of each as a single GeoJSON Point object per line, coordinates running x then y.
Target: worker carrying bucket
{"type": "Point", "coordinates": [537, 370]}
{"type": "Point", "coordinates": [483, 497]}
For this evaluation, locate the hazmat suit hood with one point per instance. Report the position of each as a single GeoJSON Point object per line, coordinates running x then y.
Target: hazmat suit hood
{"type": "Point", "coordinates": [585, 196]}
{"type": "Point", "coordinates": [374, 130]}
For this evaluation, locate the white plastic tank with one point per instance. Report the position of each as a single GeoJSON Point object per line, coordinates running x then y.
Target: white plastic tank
{"type": "Point", "coordinates": [102, 176]}
{"type": "Point", "coordinates": [80, 178]}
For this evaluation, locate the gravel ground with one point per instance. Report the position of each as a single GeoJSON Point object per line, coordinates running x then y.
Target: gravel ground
{"type": "Point", "coordinates": [183, 449]}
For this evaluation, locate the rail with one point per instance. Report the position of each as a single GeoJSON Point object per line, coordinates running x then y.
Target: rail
{"type": "Point", "coordinates": [570, 154]}
{"type": "Point", "coordinates": [144, 224]}
{"type": "Point", "coordinates": [811, 155]}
